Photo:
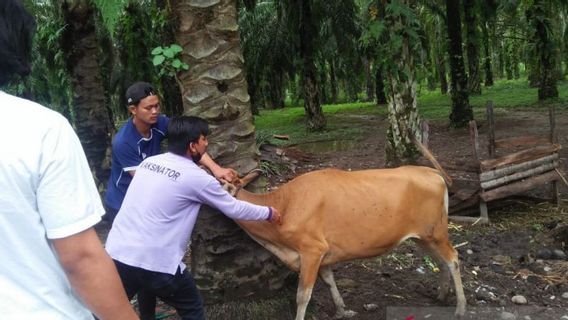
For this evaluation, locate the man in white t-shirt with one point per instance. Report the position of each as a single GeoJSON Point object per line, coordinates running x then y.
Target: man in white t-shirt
{"type": "Point", "coordinates": [53, 265]}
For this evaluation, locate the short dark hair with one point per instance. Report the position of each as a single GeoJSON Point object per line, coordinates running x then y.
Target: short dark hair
{"type": "Point", "coordinates": [184, 130]}
{"type": "Point", "coordinates": [17, 29]}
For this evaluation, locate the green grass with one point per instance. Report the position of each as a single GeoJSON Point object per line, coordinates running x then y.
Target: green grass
{"type": "Point", "coordinates": [507, 94]}
{"type": "Point", "coordinates": [432, 105]}
{"type": "Point", "coordinates": [290, 121]}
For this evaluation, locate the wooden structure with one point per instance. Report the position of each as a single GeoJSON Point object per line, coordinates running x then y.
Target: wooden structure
{"type": "Point", "coordinates": [514, 164]}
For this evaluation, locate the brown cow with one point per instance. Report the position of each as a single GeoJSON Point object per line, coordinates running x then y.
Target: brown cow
{"type": "Point", "coordinates": [332, 215]}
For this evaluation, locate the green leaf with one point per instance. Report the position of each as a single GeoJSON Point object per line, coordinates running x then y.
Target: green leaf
{"type": "Point", "coordinates": [176, 63]}
{"type": "Point", "coordinates": [158, 60]}
{"type": "Point", "coordinates": [157, 50]}
{"type": "Point", "coordinates": [176, 48]}
{"type": "Point", "coordinates": [185, 66]}
{"type": "Point", "coordinates": [168, 52]}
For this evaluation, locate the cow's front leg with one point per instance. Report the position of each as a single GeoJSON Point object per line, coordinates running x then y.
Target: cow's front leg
{"type": "Point", "coordinates": [326, 275]}
{"type": "Point", "coordinates": [309, 266]}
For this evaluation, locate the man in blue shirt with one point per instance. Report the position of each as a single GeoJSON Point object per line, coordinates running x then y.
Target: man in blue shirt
{"type": "Point", "coordinates": [140, 137]}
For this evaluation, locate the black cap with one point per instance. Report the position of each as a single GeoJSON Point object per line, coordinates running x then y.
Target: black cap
{"type": "Point", "coordinates": [139, 91]}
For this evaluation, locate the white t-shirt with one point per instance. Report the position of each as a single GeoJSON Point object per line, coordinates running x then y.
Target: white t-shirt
{"type": "Point", "coordinates": [46, 192]}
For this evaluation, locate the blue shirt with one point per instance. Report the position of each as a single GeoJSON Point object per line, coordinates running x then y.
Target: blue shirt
{"type": "Point", "coordinates": [129, 149]}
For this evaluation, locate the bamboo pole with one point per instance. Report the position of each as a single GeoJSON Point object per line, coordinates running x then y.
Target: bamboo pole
{"type": "Point", "coordinates": [519, 186]}
{"type": "Point", "coordinates": [519, 175]}
{"type": "Point", "coordinates": [497, 173]}
{"type": "Point", "coordinates": [521, 156]}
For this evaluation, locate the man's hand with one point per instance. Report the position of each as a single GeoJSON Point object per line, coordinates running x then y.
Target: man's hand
{"type": "Point", "coordinates": [226, 175]}
{"type": "Point", "coordinates": [276, 217]}
{"type": "Point", "coordinates": [222, 174]}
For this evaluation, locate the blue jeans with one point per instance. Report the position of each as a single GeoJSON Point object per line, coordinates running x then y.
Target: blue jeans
{"type": "Point", "coordinates": [178, 291]}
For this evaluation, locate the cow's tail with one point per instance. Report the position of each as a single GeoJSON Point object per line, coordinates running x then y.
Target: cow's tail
{"type": "Point", "coordinates": [428, 155]}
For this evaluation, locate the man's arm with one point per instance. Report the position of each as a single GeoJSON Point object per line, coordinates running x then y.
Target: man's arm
{"type": "Point", "coordinates": [93, 275]}
{"type": "Point", "coordinates": [219, 172]}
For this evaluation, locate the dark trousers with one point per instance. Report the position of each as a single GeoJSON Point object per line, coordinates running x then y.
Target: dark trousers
{"type": "Point", "coordinates": [110, 214]}
{"type": "Point", "coordinates": [178, 291]}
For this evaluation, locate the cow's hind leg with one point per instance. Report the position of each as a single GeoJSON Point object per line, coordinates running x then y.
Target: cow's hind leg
{"type": "Point", "coordinates": [309, 267]}
{"type": "Point", "coordinates": [443, 250]}
{"type": "Point", "coordinates": [326, 275]}
{"type": "Point", "coordinates": [444, 281]}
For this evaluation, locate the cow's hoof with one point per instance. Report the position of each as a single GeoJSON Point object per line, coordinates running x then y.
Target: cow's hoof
{"type": "Point", "coordinates": [345, 314]}
{"type": "Point", "coordinates": [460, 312]}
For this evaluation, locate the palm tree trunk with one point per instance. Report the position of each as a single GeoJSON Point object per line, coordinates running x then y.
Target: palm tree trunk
{"type": "Point", "coordinates": [544, 45]}
{"type": "Point", "coordinates": [472, 39]}
{"type": "Point", "coordinates": [275, 89]}
{"type": "Point", "coordinates": [508, 61]}
{"type": "Point", "coordinates": [253, 92]}
{"type": "Point", "coordinates": [441, 58]}
{"type": "Point", "coordinates": [501, 59]}
{"type": "Point", "coordinates": [315, 118]}
{"type": "Point", "coordinates": [333, 81]}
{"type": "Point", "coordinates": [441, 63]}
{"type": "Point", "coordinates": [379, 84]}
{"type": "Point", "coordinates": [368, 79]}
{"type": "Point", "coordinates": [403, 113]}
{"type": "Point", "coordinates": [92, 117]}
{"type": "Point", "coordinates": [215, 89]}
{"type": "Point", "coordinates": [461, 109]}
{"type": "Point", "coordinates": [487, 60]}
{"type": "Point", "coordinates": [323, 83]}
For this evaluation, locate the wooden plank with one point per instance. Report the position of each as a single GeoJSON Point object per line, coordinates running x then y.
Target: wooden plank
{"type": "Point", "coordinates": [504, 171]}
{"type": "Point", "coordinates": [521, 156]}
{"type": "Point", "coordinates": [519, 175]}
{"type": "Point", "coordinates": [520, 186]}
{"type": "Point", "coordinates": [491, 132]}
{"type": "Point", "coordinates": [474, 139]}
{"type": "Point", "coordinates": [555, 194]}
{"type": "Point", "coordinates": [521, 141]}
{"type": "Point", "coordinates": [466, 219]}
{"type": "Point", "coordinates": [483, 211]}
{"type": "Point", "coordinates": [281, 136]}
{"type": "Point", "coordinates": [552, 120]}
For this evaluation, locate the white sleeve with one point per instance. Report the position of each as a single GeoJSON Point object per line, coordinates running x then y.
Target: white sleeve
{"type": "Point", "coordinates": [67, 198]}
{"type": "Point", "coordinates": [215, 196]}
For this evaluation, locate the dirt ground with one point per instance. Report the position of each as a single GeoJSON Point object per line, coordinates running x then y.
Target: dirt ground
{"type": "Point", "coordinates": [522, 252]}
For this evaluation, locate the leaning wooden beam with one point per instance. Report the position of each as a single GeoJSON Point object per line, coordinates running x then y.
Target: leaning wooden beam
{"type": "Point", "coordinates": [520, 186]}
{"type": "Point", "coordinates": [474, 139]}
{"type": "Point", "coordinates": [521, 141]}
{"type": "Point", "coordinates": [521, 156]}
{"type": "Point", "coordinates": [519, 175]}
{"type": "Point", "coordinates": [497, 173]}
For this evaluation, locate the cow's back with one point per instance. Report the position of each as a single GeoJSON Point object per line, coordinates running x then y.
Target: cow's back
{"type": "Point", "coordinates": [361, 213]}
